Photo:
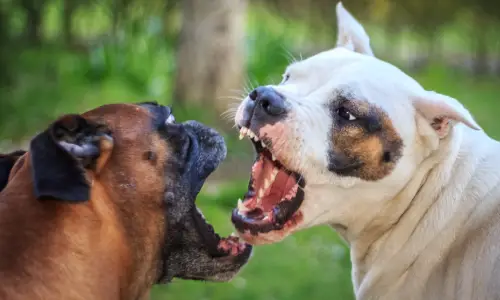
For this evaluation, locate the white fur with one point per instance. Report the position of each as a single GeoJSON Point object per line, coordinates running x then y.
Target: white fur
{"type": "Point", "coordinates": [431, 228]}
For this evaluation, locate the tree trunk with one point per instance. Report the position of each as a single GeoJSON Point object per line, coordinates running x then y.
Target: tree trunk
{"type": "Point", "coordinates": [33, 9]}
{"type": "Point", "coordinates": [67, 17]}
{"type": "Point", "coordinates": [480, 61]}
{"type": "Point", "coordinates": [5, 51]}
{"type": "Point", "coordinates": [210, 54]}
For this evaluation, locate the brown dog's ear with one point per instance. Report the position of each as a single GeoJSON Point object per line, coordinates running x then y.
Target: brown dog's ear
{"type": "Point", "coordinates": [7, 162]}
{"type": "Point", "coordinates": [61, 154]}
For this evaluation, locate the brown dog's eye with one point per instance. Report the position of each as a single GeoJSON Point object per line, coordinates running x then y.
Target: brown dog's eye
{"type": "Point", "coordinates": [150, 155]}
{"type": "Point", "coordinates": [345, 114]}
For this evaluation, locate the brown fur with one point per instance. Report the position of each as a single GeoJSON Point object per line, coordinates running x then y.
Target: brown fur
{"type": "Point", "coordinates": [109, 245]}
{"type": "Point", "coordinates": [370, 141]}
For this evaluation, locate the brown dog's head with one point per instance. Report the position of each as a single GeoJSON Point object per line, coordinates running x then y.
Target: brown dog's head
{"type": "Point", "coordinates": [150, 169]}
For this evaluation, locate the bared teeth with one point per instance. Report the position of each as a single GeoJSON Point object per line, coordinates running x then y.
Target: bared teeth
{"type": "Point", "coordinates": [273, 157]}
{"type": "Point", "coordinates": [267, 183]}
{"type": "Point", "coordinates": [291, 193]}
{"type": "Point", "coordinates": [247, 132]}
{"type": "Point", "coordinates": [263, 145]}
{"type": "Point", "coordinates": [242, 207]}
{"type": "Point", "coordinates": [243, 132]}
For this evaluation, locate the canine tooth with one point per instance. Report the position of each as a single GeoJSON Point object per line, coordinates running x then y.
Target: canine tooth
{"type": "Point", "coordinates": [267, 183]}
{"type": "Point", "coordinates": [273, 157]}
{"type": "Point", "coordinates": [262, 143]}
{"type": "Point", "coordinates": [274, 174]}
{"type": "Point", "coordinates": [241, 206]}
{"type": "Point", "coordinates": [243, 132]}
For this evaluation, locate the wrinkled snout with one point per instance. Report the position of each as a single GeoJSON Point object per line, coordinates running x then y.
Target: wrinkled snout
{"type": "Point", "coordinates": [264, 105]}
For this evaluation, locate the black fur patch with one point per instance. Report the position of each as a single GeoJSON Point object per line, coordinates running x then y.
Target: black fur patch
{"type": "Point", "coordinates": [7, 161]}
{"type": "Point", "coordinates": [57, 173]}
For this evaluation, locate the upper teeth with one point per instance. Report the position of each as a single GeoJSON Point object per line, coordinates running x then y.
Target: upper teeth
{"type": "Point", "coordinates": [247, 132]}
{"type": "Point", "coordinates": [242, 207]}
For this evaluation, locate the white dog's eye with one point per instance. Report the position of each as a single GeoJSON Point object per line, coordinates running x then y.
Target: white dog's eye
{"type": "Point", "coordinates": [345, 114]}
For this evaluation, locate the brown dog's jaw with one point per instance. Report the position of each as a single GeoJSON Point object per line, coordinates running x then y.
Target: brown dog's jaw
{"type": "Point", "coordinates": [274, 195]}
{"type": "Point", "coordinates": [217, 246]}
{"type": "Point", "coordinates": [193, 249]}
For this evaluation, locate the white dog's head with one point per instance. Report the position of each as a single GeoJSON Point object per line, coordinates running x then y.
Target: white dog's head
{"type": "Point", "coordinates": [341, 134]}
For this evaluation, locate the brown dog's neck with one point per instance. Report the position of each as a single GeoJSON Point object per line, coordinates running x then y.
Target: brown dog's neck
{"type": "Point", "coordinates": [55, 250]}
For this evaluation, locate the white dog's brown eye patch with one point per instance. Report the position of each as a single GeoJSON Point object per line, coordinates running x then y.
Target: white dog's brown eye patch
{"type": "Point", "coordinates": [368, 147]}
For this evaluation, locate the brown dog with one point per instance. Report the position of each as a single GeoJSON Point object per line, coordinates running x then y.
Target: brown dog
{"type": "Point", "coordinates": [102, 207]}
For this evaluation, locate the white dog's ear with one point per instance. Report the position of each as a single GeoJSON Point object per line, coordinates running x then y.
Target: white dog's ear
{"type": "Point", "coordinates": [440, 109]}
{"type": "Point", "coordinates": [351, 34]}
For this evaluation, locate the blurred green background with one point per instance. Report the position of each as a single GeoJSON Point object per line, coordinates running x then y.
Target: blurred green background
{"type": "Point", "coordinates": [202, 57]}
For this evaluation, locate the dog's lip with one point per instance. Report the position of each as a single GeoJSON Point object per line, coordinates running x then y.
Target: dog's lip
{"type": "Point", "coordinates": [220, 247]}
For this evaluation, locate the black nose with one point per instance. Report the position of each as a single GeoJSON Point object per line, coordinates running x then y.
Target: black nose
{"type": "Point", "coordinates": [268, 100]}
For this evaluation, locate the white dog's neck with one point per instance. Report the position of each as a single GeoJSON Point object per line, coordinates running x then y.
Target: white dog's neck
{"type": "Point", "coordinates": [386, 245]}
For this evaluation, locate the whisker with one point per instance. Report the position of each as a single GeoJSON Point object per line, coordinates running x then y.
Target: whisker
{"type": "Point", "coordinates": [288, 55]}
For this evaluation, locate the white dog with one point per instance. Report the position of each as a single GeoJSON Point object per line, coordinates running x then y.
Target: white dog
{"type": "Point", "coordinates": [405, 175]}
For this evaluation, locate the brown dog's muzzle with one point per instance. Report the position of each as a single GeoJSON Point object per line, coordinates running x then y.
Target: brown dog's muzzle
{"type": "Point", "coordinates": [192, 249]}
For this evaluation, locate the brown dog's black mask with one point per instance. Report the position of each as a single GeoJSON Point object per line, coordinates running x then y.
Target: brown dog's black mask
{"type": "Point", "coordinates": [193, 250]}
{"type": "Point", "coordinates": [7, 162]}
{"type": "Point", "coordinates": [190, 249]}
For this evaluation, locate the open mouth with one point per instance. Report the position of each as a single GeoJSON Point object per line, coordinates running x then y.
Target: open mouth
{"type": "Point", "coordinates": [205, 150]}
{"type": "Point", "coordinates": [219, 246]}
{"type": "Point", "coordinates": [274, 194]}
